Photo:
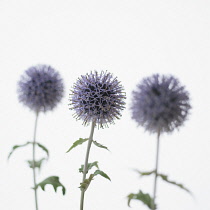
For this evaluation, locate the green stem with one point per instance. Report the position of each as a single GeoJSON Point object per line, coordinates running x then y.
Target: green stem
{"type": "Point", "coordinates": [34, 172]}
{"type": "Point", "coordinates": [156, 171]}
{"type": "Point", "coordinates": [86, 163]}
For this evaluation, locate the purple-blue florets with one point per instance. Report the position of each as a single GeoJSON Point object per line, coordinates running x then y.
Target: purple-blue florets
{"type": "Point", "coordinates": [97, 97]}
{"type": "Point", "coordinates": [40, 88]}
{"type": "Point", "coordinates": [160, 104]}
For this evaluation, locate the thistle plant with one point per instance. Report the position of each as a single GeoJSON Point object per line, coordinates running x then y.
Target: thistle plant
{"type": "Point", "coordinates": [41, 89]}
{"type": "Point", "coordinates": [97, 99]}
{"type": "Point", "coordinates": [160, 104]}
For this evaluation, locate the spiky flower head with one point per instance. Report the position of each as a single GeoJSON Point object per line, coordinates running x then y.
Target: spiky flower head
{"type": "Point", "coordinates": [40, 88]}
{"type": "Point", "coordinates": [97, 97]}
{"type": "Point", "coordinates": [160, 104]}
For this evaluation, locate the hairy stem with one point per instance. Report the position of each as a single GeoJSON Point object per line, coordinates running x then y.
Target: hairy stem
{"type": "Point", "coordinates": [34, 171]}
{"type": "Point", "coordinates": [156, 171]}
{"type": "Point", "coordinates": [86, 163]}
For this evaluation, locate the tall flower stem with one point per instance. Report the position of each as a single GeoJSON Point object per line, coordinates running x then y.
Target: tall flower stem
{"type": "Point", "coordinates": [156, 170]}
{"type": "Point", "coordinates": [86, 163]}
{"type": "Point", "coordinates": [34, 171]}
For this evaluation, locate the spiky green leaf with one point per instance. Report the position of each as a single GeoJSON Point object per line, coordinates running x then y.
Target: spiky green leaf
{"type": "Point", "coordinates": [43, 148]}
{"type": "Point", "coordinates": [90, 165]}
{"type": "Point", "coordinates": [27, 143]}
{"type": "Point", "coordinates": [84, 185]}
{"type": "Point", "coordinates": [143, 197]}
{"type": "Point", "coordinates": [165, 178]}
{"type": "Point", "coordinates": [76, 143]}
{"type": "Point", "coordinates": [54, 181]}
{"type": "Point", "coordinates": [102, 174]}
{"type": "Point", "coordinates": [36, 164]}
{"type": "Point", "coordinates": [100, 145]}
{"type": "Point", "coordinates": [18, 146]}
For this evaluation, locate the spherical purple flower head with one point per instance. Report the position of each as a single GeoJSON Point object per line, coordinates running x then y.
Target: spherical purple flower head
{"type": "Point", "coordinates": [40, 88]}
{"type": "Point", "coordinates": [97, 97]}
{"type": "Point", "coordinates": [160, 104]}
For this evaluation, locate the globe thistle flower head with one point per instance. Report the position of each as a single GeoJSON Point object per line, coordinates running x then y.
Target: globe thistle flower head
{"type": "Point", "coordinates": [160, 104]}
{"type": "Point", "coordinates": [40, 88]}
{"type": "Point", "coordinates": [97, 97]}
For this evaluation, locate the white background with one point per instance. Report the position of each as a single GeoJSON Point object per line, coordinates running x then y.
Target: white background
{"type": "Point", "coordinates": [131, 39]}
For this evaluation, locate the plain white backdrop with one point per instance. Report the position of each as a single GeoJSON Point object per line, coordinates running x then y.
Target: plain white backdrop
{"type": "Point", "coordinates": [131, 39]}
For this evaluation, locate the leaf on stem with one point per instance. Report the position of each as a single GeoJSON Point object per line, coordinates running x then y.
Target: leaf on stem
{"type": "Point", "coordinates": [145, 173]}
{"type": "Point", "coordinates": [52, 180]}
{"type": "Point", "coordinates": [100, 145]}
{"type": "Point", "coordinates": [43, 148]}
{"type": "Point", "coordinates": [84, 185]}
{"type": "Point", "coordinates": [90, 165]}
{"type": "Point", "coordinates": [18, 146]}
{"type": "Point", "coordinates": [144, 197]}
{"type": "Point", "coordinates": [27, 143]}
{"type": "Point", "coordinates": [102, 174]}
{"type": "Point", "coordinates": [76, 143]}
{"type": "Point", "coordinates": [37, 164]}
{"type": "Point", "coordinates": [165, 178]}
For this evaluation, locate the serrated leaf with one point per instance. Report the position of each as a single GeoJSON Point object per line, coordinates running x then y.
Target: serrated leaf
{"type": "Point", "coordinates": [100, 145]}
{"type": "Point", "coordinates": [84, 185]}
{"type": "Point", "coordinates": [90, 165]}
{"type": "Point", "coordinates": [143, 197]}
{"type": "Point", "coordinates": [16, 147]}
{"type": "Point", "coordinates": [165, 178]}
{"type": "Point", "coordinates": [36, 164]}
{"type": "Point", "coordinates": [27, 143]}
{"type": "Point", "coordinates": [76, 143]}
{"type": "Point", "coordinates": [43, 148]}
{"type": "Point", "coordinates": [102, 174]}
{"type": "Point", "coordinates": [52, 180]}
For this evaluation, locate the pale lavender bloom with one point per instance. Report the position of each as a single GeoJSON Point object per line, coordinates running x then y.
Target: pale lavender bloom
{"type": "Point", "coordinates": [40, 88]}
{"type": "Point", "coordinates": [160, 104]}
{"type": "Point", "coordinates": [97, 97]}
